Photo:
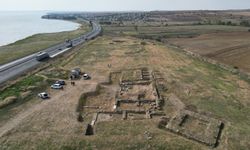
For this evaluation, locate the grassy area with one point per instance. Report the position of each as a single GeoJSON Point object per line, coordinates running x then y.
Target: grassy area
{"type": "Point", "coordinates": [213, 90]}
{"type": "Point", "coordinates": [220, 93]}
{"type": "Point", "coordinates": [23, 85]}
{"type": "Point", "coordinates": [90, 55]}
{"type": "Point", "coordinates": [120, 134]}
{"type": "Point", "coordinates": [209, 89]}
{"type": "Point", "coordinates": [54, 73]}
{"type": "Point", "coordinates": [156, 32]}
{"type": "Point", "coordinates": [37, 43]}
{"type": "Point", "coordinates": [30, 85]}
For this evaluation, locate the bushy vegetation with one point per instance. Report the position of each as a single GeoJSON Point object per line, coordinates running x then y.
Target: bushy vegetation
{"type": "Point", "coordinates": [17, 88]}
{"type": "Point", "coordinates": [245, 23]}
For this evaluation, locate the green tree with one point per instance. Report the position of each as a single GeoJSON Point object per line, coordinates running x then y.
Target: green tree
{"type": "Point", "coordinates": [245, 23]}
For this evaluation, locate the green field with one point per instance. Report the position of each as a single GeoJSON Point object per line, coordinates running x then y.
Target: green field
{"type": "Point", "coordinates": [37, 43]}
{"type": "Point", "coordinates": [14, 90]}
{"type": "Point", "coordinates": [153, 32]}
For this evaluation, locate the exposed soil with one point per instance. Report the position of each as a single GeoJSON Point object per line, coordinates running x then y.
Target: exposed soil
{"type": "Point", "coordinates": [62, 104]}
{"type": "Point", "coordinates": [229, 48]}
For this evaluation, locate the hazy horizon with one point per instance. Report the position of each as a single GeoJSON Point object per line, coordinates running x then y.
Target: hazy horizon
{"type": "Point", "coordinates": [114, 5]}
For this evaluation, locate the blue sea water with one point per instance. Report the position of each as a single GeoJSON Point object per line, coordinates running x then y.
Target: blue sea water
{"type": "Point", "coordinates": [15, 26]}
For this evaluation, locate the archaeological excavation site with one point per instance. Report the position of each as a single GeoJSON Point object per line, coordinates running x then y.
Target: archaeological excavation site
{"type": "Point", "coordinates": [138, 94]}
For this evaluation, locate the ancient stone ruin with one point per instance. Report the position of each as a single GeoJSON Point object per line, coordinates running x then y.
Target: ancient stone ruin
{"type": "Point", "coordinates": [195, 126]}
{"type": "Point", "coordinates": [140, 95]}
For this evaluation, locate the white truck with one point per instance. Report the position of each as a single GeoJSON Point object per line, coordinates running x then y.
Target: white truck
{"type": "Point", "coordinates": [69, 43]}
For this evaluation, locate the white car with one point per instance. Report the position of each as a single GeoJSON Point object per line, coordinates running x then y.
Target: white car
{"type": "Point", "coordinates": [86, 76]}
{"type": "Point", "coordinates": [56, 86]}
{"type": "Point", "coordinates": [43, 95]}
{"type": "Point", "coordinates": [60, 82]}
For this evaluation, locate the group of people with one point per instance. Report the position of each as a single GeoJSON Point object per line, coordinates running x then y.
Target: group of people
{"type": "Point", "coordinates": [72, 83]}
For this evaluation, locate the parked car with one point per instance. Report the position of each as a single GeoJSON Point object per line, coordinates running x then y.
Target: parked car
{"type": "Point", "coordinates": [57, 86]}
{"type": "Point", "coordinates": [61, 82]}
{"type": "Point", "coordinates": [43, 95]}
{"type": "Point", "coordinates": [86, 76]}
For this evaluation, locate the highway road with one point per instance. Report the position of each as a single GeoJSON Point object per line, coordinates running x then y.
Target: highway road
{"type": "Point", "coordinates": [13, 69]}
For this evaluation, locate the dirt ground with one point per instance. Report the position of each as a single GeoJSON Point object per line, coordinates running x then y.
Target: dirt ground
{"type": "Point", "coordinates": [53, 124]}
{"type": "Point", "coordinates": [132, 94]}
{"type": "Point", "coordinates": [55, 115]}
{"type": "Point", "coordinates": [104, 101]}
{"type": "Point", "coordinates": [229, 48]}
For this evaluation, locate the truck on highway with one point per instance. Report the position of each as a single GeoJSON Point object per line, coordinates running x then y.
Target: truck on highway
{"type": "Point", "coordinates": [69, 43]}
{"type": "Point", "coordinates": [42, 55]}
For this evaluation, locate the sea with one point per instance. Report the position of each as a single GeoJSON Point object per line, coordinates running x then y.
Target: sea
{"type": "Point", "coordinates": [15, 26]}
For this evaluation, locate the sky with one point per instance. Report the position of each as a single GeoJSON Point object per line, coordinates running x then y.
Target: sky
{"type": "Point", "coordinates": [121, 5]}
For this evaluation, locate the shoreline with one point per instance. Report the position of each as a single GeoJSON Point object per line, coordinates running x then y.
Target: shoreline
{"type": "Point", "coordinates": [37, 42]}
{"type": "Point", "coordinates": [78, 26]}
{"type": "Point", "coordinates": [28, 37]}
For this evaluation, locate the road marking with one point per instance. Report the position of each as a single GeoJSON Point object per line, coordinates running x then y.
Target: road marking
{"type": "Point", "coordinates": [62, 51]}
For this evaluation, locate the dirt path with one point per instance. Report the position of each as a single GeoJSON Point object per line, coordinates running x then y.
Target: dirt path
{"type": "Point", "coordinates": [18, 119]}
{"type": "Point", "coordinates": [61, 101]}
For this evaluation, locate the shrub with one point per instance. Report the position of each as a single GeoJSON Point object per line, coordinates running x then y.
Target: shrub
{"type": "Point", "coordinates": [158, 39]}
{"type": "Point", "coordinates": [229, 23]}
{"type": "Point", "coordinates": [245, 23]}
{"type": "Point", "coordinates": [235, 67]}
{"type": "Point", "coordinates": [7, 101]}
{"type": "Point", "coordinates": [143, 43]}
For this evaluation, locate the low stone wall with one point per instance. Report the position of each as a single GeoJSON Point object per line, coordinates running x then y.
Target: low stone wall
{"type": "Point", "coordinates": [135, 101]}
{"type": "Point", "coordinates": [95, 117]}
{"type": "Point", "coordinates": [208, 136]}
{"type": "Point", "coordinates": [84, 97]}
{"type": "Point", "coordinates": [157, 114]}
{"type": "Point", "coordinates": [138, 82]}
{"type": "Point", "coordinates": [160, 86]}
{"type": "Point", "coordinates": [143, 79]}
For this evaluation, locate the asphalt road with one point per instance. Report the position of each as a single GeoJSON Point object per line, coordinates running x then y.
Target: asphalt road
{"type": "Point", "coordinates": [13, 69]}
